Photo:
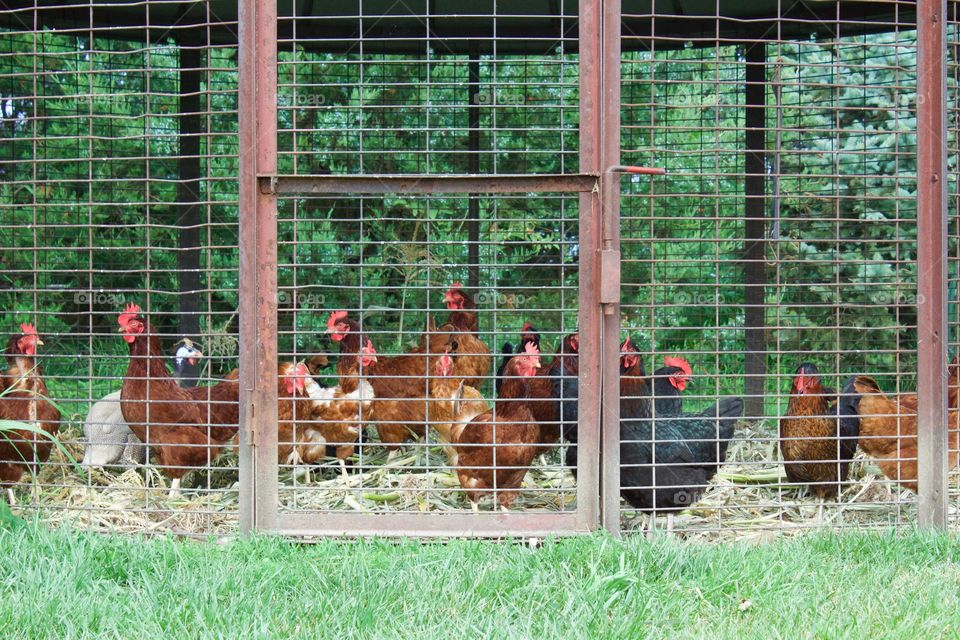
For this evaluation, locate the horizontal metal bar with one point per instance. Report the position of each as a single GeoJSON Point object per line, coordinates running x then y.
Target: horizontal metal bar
{"type": "Point", "coordinates": [380, 524]}
{"type": "Point", "coordinates": [405, 183]}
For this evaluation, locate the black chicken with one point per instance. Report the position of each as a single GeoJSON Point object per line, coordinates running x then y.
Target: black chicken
{"type": "Point", "coordinates": [528, 335]}
{"type": "Point", "coordinates": [689, 448]}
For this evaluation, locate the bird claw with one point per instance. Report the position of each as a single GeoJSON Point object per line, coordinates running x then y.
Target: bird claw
{"type": "Point", "coordinates": [11, 498]}
{"type": "Point", "coordinates": [474, 507]}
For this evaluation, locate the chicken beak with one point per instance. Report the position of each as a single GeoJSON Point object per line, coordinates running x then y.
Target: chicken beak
{"type": "Point", "coordinates": [39, 342]}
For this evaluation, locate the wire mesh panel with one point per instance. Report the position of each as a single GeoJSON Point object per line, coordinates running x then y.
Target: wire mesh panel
{"type": "Point", "coordinates": [423, 331]}
{"type": "Point", "coordinates": [118, 156]}
{"type": "Point", "coordinates": [419, 186]}
{"type": "Point", "coordinates": [776, 260]}
{"type": "Point", "coordinates": [421, 325]}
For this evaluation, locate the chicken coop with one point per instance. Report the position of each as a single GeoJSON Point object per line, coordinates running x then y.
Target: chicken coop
{"type": "Point", "coordinates": [449, 268]}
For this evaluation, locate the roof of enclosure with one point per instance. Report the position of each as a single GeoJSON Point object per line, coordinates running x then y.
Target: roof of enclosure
{"type": "Point", "coordinates": [465, 26]}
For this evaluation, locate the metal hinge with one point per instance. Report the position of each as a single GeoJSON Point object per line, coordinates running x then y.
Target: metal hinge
{"type": "Point", "coordinates": [609, 276]}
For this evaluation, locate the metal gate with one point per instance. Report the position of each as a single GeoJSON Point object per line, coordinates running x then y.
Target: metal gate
{"type": "Point", "coordinates": [276, 203]}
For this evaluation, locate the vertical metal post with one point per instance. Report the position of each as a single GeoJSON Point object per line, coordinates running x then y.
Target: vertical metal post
{"type": "Point", "coordinates": [188, 196]}
{"type": "Point", "coordinates": [610, 267]}
{"type": "Point", "coordinates": [266, 340]}
{"type": "Point", "coordinates": [247, 129]}
{"type": "Point", "coordinates": [258, 265]}
{"type": "Point", "coordinates": [754, 263]}
{"type": "Point", "coordinates": [588, 458]}
{"type": "Point", "coordinates": [931, 262]}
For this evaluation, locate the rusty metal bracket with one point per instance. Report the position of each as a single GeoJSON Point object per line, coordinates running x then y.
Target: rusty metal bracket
{"type": "Point", "coordinates": [609, 276]}
{"type": "Point", "coordinates": [441, 183]}
{"type": "Point", "coordinates": [268, 184]}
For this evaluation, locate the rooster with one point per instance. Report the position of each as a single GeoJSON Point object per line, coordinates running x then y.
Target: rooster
{"type": "Point", "coordinates": [888, 428]}
{"type": "Point", "coordinates": [494, 450]}
{"type": "Point", "coordinates": [24, 399]}
{"type": "Point", "coordinates": [400, 383]}
{"type": "Point", "coordinates": [164, 416]}
{"type": "Point", "coordinates": [815, 445]}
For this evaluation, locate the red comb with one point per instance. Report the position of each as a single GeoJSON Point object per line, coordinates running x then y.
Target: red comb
{"type": "Point", "coordinates": [301, 371]}
{"type": "Point", "coordinates": [531, 349]}
{"type": "Point", "coordinates": [28, 329]}
{"type": "Point", "coordinates": [368, 348]}
{"type": "Point", "coordinates": [131, 312]}
{"type": "Point", "coordinates": [626, 346]}
{"type": "Point", "coordinates": [672, 361]}
{"type": "Point", "coordinates": [335, 316]}
{"type": "Point", "coordinates": [526, 326]}
{"type": "Point", "coordinates": [456, 285]}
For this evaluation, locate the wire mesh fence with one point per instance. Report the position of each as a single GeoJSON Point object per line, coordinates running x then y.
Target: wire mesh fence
{"type": "Point", "coordinates": [436, 183]}
{"type": "Point", "coordinates": [118, 159]}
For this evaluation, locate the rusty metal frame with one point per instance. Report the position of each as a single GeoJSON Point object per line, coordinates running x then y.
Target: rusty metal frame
{"type": "Point", "coordinates": [932, 441]}
{"type": "Point", "coordinates": [258, 265]}
{"type": "Point", "coordinates": [420, 184]}
{"type": "Point", "coordinates": [260, 189]}
{"type": "Point", "coordinates": [609, 252]}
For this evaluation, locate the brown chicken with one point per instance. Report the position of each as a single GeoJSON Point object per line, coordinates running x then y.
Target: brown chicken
{"type": "Point", "coordinates": [163, 416]}
{"type": "Point", "coordinates": [953, 384]}
{"type": "Point", "coordinates": [544, 402]}
{"type": "Point", "coordinates": [815, 444]}
{"type": "Point", "coordinates": [400, 383]}
{"type": "Point", "coordinates": [24, 399]}
{"type": "Point", "coordinates": [312, 419]}
{"type": "Point", "coordinates": [444, 390]}
{"type": "Point", "coordinates": [474, 361]}
{"type": "Point", "coordinates": [888, 428]}
{"type": "Point", "coordinates": [495, 449]}
{"type": "Point", "coordinates": [220, 404]}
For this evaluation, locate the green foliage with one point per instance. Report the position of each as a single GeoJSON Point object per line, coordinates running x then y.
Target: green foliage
{"type": "Point", "coordinates": [91, 166]}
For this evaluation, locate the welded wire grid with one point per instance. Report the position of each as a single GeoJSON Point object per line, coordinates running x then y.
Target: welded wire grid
{"type": "Point", "coordinates": [835, 265]}
{"type": "Point", "coordinates": [119, 161]}
{"type": "Point", "coordinates": [494, 103]}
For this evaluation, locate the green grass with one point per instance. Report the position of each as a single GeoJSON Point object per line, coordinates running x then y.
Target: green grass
{"type": "Point", "coordinates": [60, 584]}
